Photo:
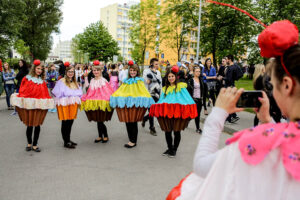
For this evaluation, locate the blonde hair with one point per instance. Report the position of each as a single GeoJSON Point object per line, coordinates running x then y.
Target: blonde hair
{"type": "Point", "coordinates": [259, 70]}
{"type": "Point", "coordinates": [8, 68]}
{"type": "Point", "coordinates": [33, 74]}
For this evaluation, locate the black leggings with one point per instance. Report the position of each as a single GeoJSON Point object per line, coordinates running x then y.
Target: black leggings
{"type": "Point", "coordinates": [29, 130]}
{"type": "Point", "coordinates": [132, 131]}
{"type": "Point", "coordinates": [102, 130]}
{"type": "Point", "coordinates": [199, 108]}
{"type": "Point", "coordinates": [151, 120]}
{"type": "Point", "coordinates": [169, 139]}
{"type": "Point", "coordinates": [66, 127]}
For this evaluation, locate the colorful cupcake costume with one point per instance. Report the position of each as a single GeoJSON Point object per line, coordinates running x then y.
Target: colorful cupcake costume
{"type": "Point", "coordinates": [33, 101]}
{"type": "Point", "coordinates": [175, 108]}
{"type": "Point", "coordinates": [131, 100]}
{"type": "Point", "coordinates": [95, 102]}
{"type": "Point", "coordinates": [66, 100]}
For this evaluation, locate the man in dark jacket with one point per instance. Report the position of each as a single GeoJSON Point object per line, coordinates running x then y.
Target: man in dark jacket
{"type": "Point", "coordinates": [231, 72]}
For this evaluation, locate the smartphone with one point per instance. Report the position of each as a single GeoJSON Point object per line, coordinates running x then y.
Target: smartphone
{"type": "Point", "coordinates": [249, 99]}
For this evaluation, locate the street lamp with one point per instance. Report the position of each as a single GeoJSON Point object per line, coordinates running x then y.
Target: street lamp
{"type": "Point", "coordinates": [199, 24]}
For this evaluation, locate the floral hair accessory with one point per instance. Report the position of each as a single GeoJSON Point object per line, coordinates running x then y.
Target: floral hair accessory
{"type": "Point", "coordinates": [36, 62]}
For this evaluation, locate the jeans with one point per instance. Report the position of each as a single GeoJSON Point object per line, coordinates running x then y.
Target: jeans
{"type": "Point", "coordinates": [9, 90]}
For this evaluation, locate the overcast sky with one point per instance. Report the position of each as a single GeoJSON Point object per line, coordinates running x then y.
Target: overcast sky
{"type": "Point", "coordinates": [78, 14]}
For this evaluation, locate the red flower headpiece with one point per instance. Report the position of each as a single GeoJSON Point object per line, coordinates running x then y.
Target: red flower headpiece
{"type": "Point", "coordinates": [130, 63]}
{"type": "Point", "coordinates": [175, 69]}
{"type": "Point", "coordinates": [67, 64]}
{"type": "Point", "coordinates": [96, 62]}
{"type": "Point", "coordinates": [277, 38]}
{"type": "Point", "coordinates": [36, 62]}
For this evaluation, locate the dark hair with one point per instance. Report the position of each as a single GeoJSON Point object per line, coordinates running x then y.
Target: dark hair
{"type": "Point", "coordinates": [167, 83]}
{"type": "Point", "coordinates": [24, 63]}
{"type": "Point", "coordinates": [113, 66]}
{"type": "Point", "coordinates": [153, 60]}
{"type": "Point", "coordinates": [136, 68]}
{"type": "Point", "coordinates": [205, 64]}
{"type": "Point", "coordinates": [291, 60]}
{"type": "Point", "coordinates": [230, 57]}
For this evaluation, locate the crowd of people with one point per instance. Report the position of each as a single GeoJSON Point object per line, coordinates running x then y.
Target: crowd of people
{"type": "Point", "coordinates": [202, 82]}
{"type": "Point", "coordinates": [270, 149]}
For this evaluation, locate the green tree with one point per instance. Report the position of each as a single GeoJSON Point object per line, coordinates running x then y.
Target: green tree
{"type": "Point", "coordinates": [144, 31]}
{"type": "Point", "coordinates": [76, 52]}
{"type": "Point", "coordinates": [97, 42]}
{"type": "Point", "coordinates": [11, 18]}
{"type": "Point", "coordinates": [22, 49]}
{"type": "Point", "coordinates": [43, 18]}
{"type": "Point", "coordinates": [227, 31]}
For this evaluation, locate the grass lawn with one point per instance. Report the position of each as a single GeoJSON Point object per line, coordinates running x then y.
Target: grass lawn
{"type": "Point", "coordinates": [247, 84]}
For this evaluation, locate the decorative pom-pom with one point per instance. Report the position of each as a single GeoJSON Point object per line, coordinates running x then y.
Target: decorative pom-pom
{"type": "Point", "coordinates": [175, 69]}
{"type": "Point", "coordinates": [96, 62]}
{"type": "Point", "coordinates": [130, 63]}
{"type": "Point", "coordinates": [277, 38]}
{"type": "Point", "coordinates": [36, 62]}
{"type": "Point", "coordinates": [67, 64]}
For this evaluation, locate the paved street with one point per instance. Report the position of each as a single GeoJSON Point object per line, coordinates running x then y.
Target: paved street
{"type": "Point", "coordinates": [92, 171]}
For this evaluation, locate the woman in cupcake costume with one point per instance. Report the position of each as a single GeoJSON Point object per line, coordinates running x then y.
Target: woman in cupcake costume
{"type": "Point", "coordinates": [131, 101]}
{"type": "Point", "coordinates": [174, 110]}
{"type": "Point", "coordinates": [67, 99]}
{"type": "Point", "coordinates": [32, 103]}
{"type": "Point", "coordinates": [95, 102]}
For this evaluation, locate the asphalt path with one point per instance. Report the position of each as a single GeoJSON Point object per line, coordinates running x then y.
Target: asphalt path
{"type": "Point", "coordinates": [91, 171]}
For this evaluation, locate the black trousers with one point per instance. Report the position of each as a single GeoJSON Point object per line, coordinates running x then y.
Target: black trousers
{"type": "Point", "coordinates": [102, 130]}
{"type": "Point", "coordinates": [169, 139]}
{"type": "Point", "coordinates": [36, 136]}
{"type": "Point", "coordinates": [151, 119]}
{"type": "Point", "coordinates": [66, 127]}
{"type": "Point", "coordinates": [212, 95]}
{"type": "Point", "coordinates": [199, 108]}
{"type": "Point", "coordinates": [132, 131]}
{"type": "Point", "coordinates": [205, 95]}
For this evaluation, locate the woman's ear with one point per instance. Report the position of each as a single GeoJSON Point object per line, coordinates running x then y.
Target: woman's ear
{"type": "Point", "coordinates": [288, 86]}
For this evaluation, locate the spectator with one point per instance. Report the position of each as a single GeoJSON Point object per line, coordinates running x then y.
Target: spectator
{"type": "Point", "coordinates": [153, 82]}
{"type": "Point", "coordinates": [210, 77]}
{"type": "Point", "coordinates": [221, 76]}
{"type": "Point", "coordinates": [9, 84]}
{"type": "Point", "coordinates": [261, 81]}
{"type": "Point", "coordinates": [230, 74]}
{"type": "Point", "coordinates": [113, 75]}
{"type": "Point", "coordinates": [195, 88]}
{"type": "Point", "coordinates": [51, 78]}
{"type": "Point", "coordinates": [123, 74]}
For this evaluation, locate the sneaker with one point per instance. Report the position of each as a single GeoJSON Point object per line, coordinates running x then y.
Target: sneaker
{"type": "Point", "coordinates": [199, 131]}
{"type": "Point", "coordinates": [13, 113]}
{"type": "Point", "coordinates": [166, 153]}
{"type": "Point", "coordinates": [172, 154]}
{"type": "Point", "coordinates": [153, 131]}
{"type": "Point", "coordinates": [235, 119]}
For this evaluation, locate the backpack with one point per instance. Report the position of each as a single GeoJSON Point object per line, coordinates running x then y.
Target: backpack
{"type": "Point", "coordinates": [237, 73]}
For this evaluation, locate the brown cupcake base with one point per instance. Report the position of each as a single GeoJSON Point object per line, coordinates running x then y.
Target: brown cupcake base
{"type": "Point", "coordinates": [33, 117]}
{"type": "Point", "coordinates": [99, 115]}
{"type": "Point", "coordinates": [173, 124]}
{"type": "Point", "coordinates": [132, 114]}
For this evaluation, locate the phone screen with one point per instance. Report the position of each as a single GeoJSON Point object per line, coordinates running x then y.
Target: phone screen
{"type": "Point", "coordinates": [249, 99]}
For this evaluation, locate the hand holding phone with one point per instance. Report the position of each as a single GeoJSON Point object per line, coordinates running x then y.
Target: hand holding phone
{"type": "Point", "coordinates": [250, 99]}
